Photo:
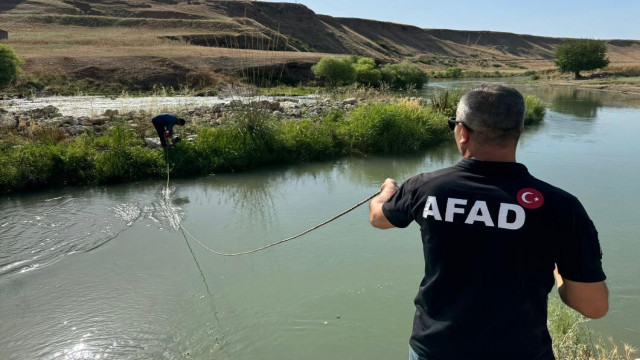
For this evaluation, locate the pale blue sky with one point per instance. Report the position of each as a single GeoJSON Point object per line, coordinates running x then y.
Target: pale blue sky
{"type": "Point", "coordinates": [604, 19]}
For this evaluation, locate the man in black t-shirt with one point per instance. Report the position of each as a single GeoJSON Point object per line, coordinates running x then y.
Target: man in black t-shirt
{"type": "Point", "coordinates": [492, 236]}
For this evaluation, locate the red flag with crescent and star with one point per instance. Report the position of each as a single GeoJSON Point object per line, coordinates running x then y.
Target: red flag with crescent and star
{"type": "Point", "coordinates": [530, 198]}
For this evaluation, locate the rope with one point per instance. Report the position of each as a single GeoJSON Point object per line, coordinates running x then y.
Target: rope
{"type": "Point", "coordinates": [283, 240]}
{"type": "Point", "coordinates": [184, 230]}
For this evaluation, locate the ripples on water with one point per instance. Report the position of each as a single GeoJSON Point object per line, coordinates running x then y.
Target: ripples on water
{"type": "Point", "coordinates": [38, 233]}
{"type": "Point", "coordinates": [41, 231]}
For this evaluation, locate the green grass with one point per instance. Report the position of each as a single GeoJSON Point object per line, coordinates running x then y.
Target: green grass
{"type": "Point", "coordinates": [573, 340]}
{"type": "Point", "coordinates": [37, 157]}
{"type": "Point", "coordinates": [251, 139]}
{"type": "Point", "coordinates": [535, 110]}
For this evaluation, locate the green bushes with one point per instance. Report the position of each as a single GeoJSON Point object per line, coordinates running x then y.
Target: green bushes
{"type": "Point", "coordinates": [535, 110]}
{"type": "Point", "coordinates": [336, 71]}
{"type": "Point", "coordinates": [30, 166]}
{"type": "Point", "coordinates": [446, 102]}
{"type": "Point", "coordinates": [252, 139]}
{"type": "Point", "coordinates": [10, 65]}
{"type": "Point", "coordinates": [573, 340]}
{"type": "Point", "coordinates": [346, 71]}
{"type": "Point", "coordinates": [366, 72]}
{"type": "Point", "coordinates": [392, 128]}
{"type": "Point", "coordinates": [403, 76]}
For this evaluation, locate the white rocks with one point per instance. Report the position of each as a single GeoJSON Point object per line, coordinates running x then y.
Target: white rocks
{"type": "Point", "coordinates": [215, 114]}
{"type": "Point", "coordinates": [152, 143]}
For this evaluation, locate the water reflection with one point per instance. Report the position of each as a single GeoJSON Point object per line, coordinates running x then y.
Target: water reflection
{"type": "Point", "coordinates": [579, 103]}
{"type": "Point", "coordinates": [375, 169]}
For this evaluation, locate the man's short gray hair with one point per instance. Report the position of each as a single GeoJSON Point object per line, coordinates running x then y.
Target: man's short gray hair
{"type": "Point", "coordinates": [494, 112]}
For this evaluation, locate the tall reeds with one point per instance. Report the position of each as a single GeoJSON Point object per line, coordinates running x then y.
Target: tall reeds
{"type": "Point", "coordinates": [253, 137]}
{"type": "Point", "coordinates": [573, 340]}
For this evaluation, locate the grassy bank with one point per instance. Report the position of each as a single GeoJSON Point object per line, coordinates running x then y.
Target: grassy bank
{"type": "Point", "coordinates": [253, 139]}
{"type": "Point", "coordinates": [43, 158]}
{"type": "Point", "coordinates": [573, 340]}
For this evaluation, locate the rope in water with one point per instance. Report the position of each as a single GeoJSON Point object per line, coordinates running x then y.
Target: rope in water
{"type": "Point", "coordinates": [184, 230]}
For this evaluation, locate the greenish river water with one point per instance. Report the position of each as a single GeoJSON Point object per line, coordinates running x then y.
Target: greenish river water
{"type": "Point", "coordinates": [104, 273]}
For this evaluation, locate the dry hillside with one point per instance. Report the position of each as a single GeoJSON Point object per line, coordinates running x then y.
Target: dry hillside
{"type": "Point", "coordinates": [168, 41]}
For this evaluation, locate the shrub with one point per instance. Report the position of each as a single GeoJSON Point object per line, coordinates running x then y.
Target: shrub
{"type": "Point", "coordinates": [573, 340]}
{"type": "Point", "coordinates": [121, 157]}
{"type": "Point", "coordinates": [30, 166]}
{"type": "Point", "coordinates": [366, 72]}
{"type": "Point", "coordinates": [307, 140]}
{"type": "Point", "coordinates": [446, 102]}
{"type": "Point", "coordinates": [403, 76]}
{"type": "Point", "coordinates": [534, 110]}
{"type": "Point", "coordinates": [10, 65]}
{"type": "Point", "coordinates": [392, 128]}
{"type": "Point", "coordinates": [337, 71]}
{"type": "Point", "coordinates": [454, 72]}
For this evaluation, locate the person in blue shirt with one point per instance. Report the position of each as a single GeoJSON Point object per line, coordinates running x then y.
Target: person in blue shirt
{"type": "Point", "coordinates": [164, 124]}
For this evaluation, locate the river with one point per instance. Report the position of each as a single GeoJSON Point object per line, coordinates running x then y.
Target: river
{"type": "Point", "coordinates": [104, 272]}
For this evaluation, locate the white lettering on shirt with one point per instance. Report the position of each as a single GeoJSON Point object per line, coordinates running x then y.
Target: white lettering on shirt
{"type": "Point", "coordinates": [452, 209]}
{"type": "Point", "coordinates": [504, 212]}
{"type": "Point", "coordinates": [431, 208]}
{"type": "Point", "coordinates": [479, 213]}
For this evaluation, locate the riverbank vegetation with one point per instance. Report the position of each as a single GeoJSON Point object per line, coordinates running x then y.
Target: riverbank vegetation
{"type": "Point", "coordinates": [40, 157]}
{"type": "Point", "coordinates": [365, 71]}
{"type": "Point", "coordinates": [573, 340]}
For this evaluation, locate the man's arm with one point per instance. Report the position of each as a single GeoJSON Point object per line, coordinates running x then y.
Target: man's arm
{"type": "Point", "coordinates": [376, 216]}
{"type": "Point", "coordinates": [589, 299]}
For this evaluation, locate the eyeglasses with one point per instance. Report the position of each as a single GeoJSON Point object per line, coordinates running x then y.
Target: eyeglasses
{"type": "Point", "coordinates": [453, 122]}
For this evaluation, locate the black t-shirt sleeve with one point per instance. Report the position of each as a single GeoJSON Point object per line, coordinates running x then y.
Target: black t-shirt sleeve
{"type": "Point", "coordinates": [580, 255]}
{"type": "Point", "coordinates": [398, 208]}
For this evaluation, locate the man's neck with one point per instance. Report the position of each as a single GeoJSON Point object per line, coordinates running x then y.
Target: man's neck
{"type": "Point", "coordinates": [492, 154]}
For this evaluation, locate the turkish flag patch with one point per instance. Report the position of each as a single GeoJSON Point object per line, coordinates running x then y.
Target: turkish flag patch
{"type": "Point", "coordinates": [530, 198]}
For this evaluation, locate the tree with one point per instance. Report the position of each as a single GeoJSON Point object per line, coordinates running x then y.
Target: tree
{"type": "Point", "coordinates": [335, 70]}
{"type": "Point", "coordinates": [10, 65]}
{"type": "Point", "coordinates": [577, 55]}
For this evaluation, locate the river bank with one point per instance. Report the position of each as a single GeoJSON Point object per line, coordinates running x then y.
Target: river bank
{"type": "Point", "coordinates": [626, 85]}
{"type": "Point", "coordinates": [43, 148]}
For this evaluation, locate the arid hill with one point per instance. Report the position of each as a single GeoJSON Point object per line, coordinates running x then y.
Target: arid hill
{"type": "Point", "coordinates": [168, 41]}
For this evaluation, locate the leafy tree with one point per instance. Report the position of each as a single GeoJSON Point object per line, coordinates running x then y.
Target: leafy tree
{"type": "Point", "coordinates": [367, 72]}
{"type": "Point", "coordinates": [402, 76]}
{"type": "Point", "coordinates": [10, 65]}
{"type": "Point", "coordinates": [338, 71]}
{"type": "Point", "coordinates": [577, 55]}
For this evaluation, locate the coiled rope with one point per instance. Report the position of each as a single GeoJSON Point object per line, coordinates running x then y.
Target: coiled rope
{"type": "Point", "coordinates": [185, 231]}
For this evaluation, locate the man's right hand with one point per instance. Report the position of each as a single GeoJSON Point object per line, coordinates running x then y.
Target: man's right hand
{"type": "Point", "coordinates": [376, 216]}
{"type": "Point", "coordinates": [388, 188]}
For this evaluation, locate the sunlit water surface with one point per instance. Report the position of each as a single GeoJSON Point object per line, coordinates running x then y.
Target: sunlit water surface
{"type": "Point", "coordinates": [105, 272]}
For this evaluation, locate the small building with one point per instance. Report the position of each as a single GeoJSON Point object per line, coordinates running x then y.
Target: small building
{"type": "Point", "coordinates": [4, 34]}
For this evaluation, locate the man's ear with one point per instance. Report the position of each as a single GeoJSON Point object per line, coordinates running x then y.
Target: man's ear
{"type": "Point", "coordinates": [464, 134]}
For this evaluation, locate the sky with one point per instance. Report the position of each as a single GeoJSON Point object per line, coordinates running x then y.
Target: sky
{"type": "Point", "coordinates": [597, 19]}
